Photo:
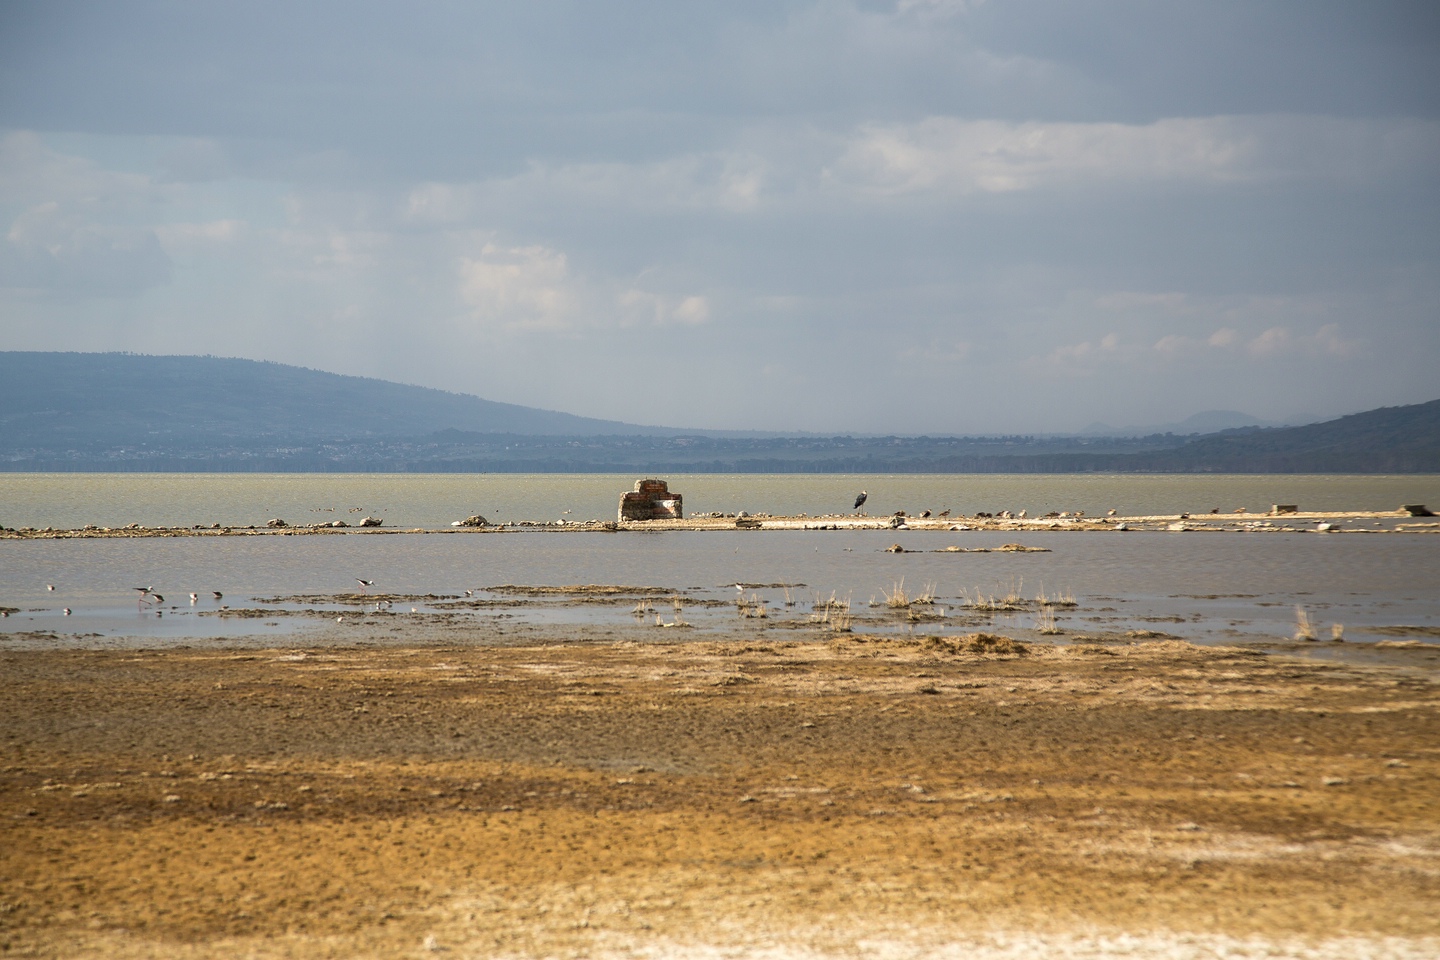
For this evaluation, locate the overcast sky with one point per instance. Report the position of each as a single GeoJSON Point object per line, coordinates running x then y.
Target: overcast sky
{"type": "Point", "coordinates": [942, 216]}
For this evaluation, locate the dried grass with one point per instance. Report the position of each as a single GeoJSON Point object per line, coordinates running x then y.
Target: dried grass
{"type": "Point", "coordinates": [1304, 629]}
{"type": "Point", "coordinates": [983, 643]}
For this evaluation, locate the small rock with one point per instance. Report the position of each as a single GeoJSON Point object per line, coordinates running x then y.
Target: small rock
{"type": "Point", "coordinates": [276, 523]}
{"type": "Point", "coordinates": [1334, 781]}
{"type": "Point", "coordinates": [371, 522]}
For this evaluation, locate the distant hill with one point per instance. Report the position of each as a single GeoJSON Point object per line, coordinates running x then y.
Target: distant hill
{"type": "Point", "coordinates": [90, 401]}
{"type": "Point", "coordinates": [122, 412]}
{"type": "Point", "coordinates": [1208, 421]}
{"type": "Point", "coordinates": [1387, 440]}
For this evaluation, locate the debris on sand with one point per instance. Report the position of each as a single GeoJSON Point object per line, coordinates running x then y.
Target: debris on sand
{"type": "Point", "coordinates": [977, 643]}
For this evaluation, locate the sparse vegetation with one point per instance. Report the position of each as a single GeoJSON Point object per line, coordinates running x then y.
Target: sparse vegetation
{"type": "Point", "coordinates": [832, 612]}
{"type": "Point", "coordinates": [1063, 599]}
{"type": "Point", "coordinates": [896, 598]}
{"type": "Point", "coordinates": [1008, 602]}
{"type": "Point", "coordinates": [751, 607]}
{"type": "Point", "coordinates": [1304, 629]}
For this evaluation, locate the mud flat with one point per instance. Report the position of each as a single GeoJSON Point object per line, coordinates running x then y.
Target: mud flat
{"type": "Point", "coordinates": [966, 796]}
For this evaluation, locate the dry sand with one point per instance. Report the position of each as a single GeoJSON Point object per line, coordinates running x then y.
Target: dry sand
{"type": "Point", "coordinates": [852, 797]}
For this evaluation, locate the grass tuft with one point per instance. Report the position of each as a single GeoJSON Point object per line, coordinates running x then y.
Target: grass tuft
{"type": "Point", "coordinates": [1304, 629]}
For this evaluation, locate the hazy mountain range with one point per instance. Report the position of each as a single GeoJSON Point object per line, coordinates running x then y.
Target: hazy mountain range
{"type": "Point", "coordinates": [80, 411]}
{"type": "Point", "coordinates": [1207, 421]}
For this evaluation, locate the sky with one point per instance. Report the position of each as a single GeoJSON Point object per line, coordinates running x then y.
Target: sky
{"type": "Point", "coordinates": [910, 216]}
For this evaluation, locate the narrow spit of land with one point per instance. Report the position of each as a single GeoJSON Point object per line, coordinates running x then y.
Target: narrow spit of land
{"type": "Point", "coordinates": [1346, 521]}
{"type": "Point", "coordinates": [853, 797]}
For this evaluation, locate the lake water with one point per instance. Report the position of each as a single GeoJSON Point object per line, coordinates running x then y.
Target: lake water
{"type": "Point", "coordinates": [434, 501]}
{"type": "Point", "coordinates": [1207, 587]}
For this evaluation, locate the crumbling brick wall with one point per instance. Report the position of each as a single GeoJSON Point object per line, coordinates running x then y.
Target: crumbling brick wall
{"type": "Point", "coordinates": [651, 500]}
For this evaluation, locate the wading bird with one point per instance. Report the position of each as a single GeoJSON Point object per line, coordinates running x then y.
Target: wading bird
{"type": "Point", "coordinates": [364, 584]}
{"type": "Point", "coordinates": [860, 500]}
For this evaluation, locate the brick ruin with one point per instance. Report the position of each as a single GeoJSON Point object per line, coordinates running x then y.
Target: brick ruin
{"type": "Point", "coordinates": [651, 500]}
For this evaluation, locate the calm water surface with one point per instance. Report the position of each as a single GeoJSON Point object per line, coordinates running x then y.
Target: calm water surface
{"type": "Point", "coordinates": [1208, 587]}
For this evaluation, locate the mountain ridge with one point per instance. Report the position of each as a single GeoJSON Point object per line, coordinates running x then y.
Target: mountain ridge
{"type": "Point", "coordinates": [254, 398]}
{"type": "Point", "coordinates": [124, 412]}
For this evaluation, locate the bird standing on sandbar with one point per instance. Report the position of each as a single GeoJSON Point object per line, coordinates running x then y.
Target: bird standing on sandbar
{"type": "Point", "coordinates": [860, 500]}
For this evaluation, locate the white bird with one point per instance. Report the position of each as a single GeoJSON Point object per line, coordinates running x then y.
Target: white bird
{"type": "Point", "coordinates": [67, 611]}
{"type": "Point", "coordinates": [49, 586]}
{"type": "Point", "coordinates": [193, 598]}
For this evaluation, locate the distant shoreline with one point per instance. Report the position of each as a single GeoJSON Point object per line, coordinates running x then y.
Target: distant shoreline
{"type": "Point", "coordinates": [1323, 522]}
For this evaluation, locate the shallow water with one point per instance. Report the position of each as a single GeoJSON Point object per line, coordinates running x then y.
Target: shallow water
{"type": "Point", "coordinates": [1206, 587]}
{"type": "Point", "coordinates": [434, 501]}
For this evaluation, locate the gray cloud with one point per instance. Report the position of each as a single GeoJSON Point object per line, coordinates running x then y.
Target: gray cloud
{"type": "Point", "coordinates": [929, 215]}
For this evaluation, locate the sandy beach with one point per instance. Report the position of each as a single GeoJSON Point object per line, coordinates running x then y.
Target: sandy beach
{"type": "Point", "coordinates": [967, 796]}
